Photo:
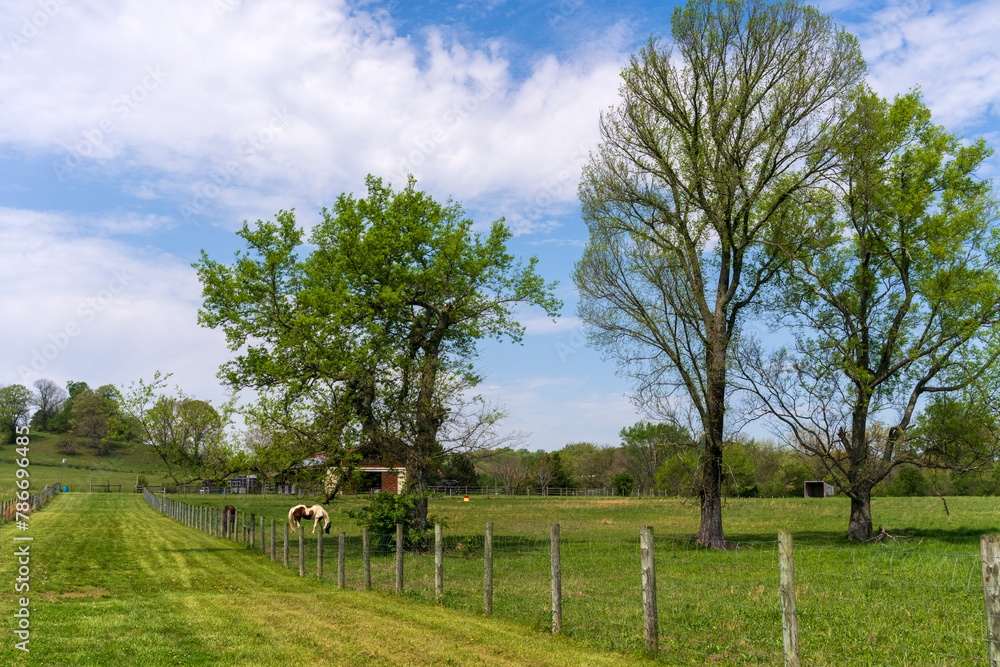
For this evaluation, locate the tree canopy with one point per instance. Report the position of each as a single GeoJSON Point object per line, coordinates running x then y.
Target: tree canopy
{"type": "Point", "coordinates": [895, 297]}
{"type": "Point", "coordinates": [189, 435]}
{"type": "Point", "coordinates": [363, 342]}
{"type": "Point", "coordinates": [15, 406]}
{"type": "Point", "coordinates": [714, 139]}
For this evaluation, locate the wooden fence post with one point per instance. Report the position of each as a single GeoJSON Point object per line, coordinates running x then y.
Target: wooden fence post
{"type": "Point", "coordinates": [341, 560]}
{"type": "Point", "coordinates": [319, 556]}
{"type": "Point", "coordinates": [286, 544]}
{"type": "Point", "coordinates": [556, 579]}
{"type": "Point", "coordinates": [488, 569]}
{"type": "Point", "coordinates": [650, 612]}
{"type": "Point", "coordinates": [252, 530]}
{"type": "Point", "coordinates": [263, 547]}
{"type": "Point", "coordinates": [366, 556]}
{"type": "Point", "coordinates": [302, 550]}
{"type": "Point", "coordinates": [789, 619]}
{"type": "Point", "coordinates": [274, 551]}
{"type": "Point", "coordinates": [989, 549]}
{"type": "Point", "coordinates": [399, 558]}
{"type": "Point", "coordinates": [438, 561]}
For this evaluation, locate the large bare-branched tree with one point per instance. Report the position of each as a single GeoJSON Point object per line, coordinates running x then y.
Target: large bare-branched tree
{"type": "Point", "coordinates": [49, 399]}
{"type": "Point", "coordinates": [714, 137]}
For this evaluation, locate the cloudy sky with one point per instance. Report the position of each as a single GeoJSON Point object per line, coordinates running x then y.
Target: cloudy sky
{"type": "Point", "coordinates": [136, 133]}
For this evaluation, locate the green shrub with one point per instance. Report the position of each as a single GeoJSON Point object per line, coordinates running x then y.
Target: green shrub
{"type": "Point", "coordinates": [909, 481]}
{"type": "Point", "coordinates": [622, 483]}
{"type": "Point", "coordinates": [383, 513]}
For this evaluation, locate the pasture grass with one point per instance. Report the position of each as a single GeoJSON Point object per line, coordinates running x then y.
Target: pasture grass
{"type": "Point", "coordinates": [75, 479]}
{"type": "Point", "coordinates": [120, 466]}
{"type": "Point", "coordinates": [115, 583]}
{"type": "Point", "coordinates": [915, 601]}
{"type": "Point", "coordinates": [818, 522]}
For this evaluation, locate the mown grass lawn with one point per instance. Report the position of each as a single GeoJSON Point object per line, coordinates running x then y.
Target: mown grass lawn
{"type": "Point", "coordinates": [813, 521]}
{"type": "Point", "coordinates": [115, 583]}
{"type": "Point", "coordinates": [914, 601]}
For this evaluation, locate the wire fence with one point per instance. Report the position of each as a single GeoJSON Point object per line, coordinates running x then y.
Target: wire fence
{"type": "Point", "coordinates": [877, 606]}
{"type": "Point", "coordinates": [25, 503]}
{"type": "Point", "coordinates": [278, 488]}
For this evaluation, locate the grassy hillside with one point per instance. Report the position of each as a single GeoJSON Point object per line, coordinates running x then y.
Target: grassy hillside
{"type": "Point", "coordinates": [49, 466]}
{"type": "Point", "coordinates": [114, 583]}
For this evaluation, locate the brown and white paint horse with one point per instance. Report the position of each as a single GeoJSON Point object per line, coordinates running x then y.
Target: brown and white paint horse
{"type": "Point", "coordinates": [300, 512]}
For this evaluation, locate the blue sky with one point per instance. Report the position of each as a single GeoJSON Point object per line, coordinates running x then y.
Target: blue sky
{"type": "Point", "coordinates": [134, 134]}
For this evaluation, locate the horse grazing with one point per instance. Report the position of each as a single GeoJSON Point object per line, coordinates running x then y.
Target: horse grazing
{"type": "Point", "coordinates": [228, 519]}
{"type": "Point", "coordinates": [299, 512]}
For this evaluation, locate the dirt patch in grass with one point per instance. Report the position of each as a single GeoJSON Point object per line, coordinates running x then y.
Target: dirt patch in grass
{"type": "Point", "coordinates": [50, 596]}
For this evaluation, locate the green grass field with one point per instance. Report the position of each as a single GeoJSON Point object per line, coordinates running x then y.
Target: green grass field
{"type": "Point", "coordinates": [47, 468]}
{"type": "Point", "coordinates": [918, 601]}
{"type": "Point", "coordinates": [115, 583]}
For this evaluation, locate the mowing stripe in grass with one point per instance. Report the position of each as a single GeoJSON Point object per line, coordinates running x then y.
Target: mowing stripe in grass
{"type": "Point", "coordinates": [115, 583]}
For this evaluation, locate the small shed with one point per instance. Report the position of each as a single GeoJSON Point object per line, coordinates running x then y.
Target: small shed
{"type": "Point", "coordinates": [818, 489]}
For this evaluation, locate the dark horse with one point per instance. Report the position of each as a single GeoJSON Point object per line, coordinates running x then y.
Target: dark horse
{"type": "Point", "coordinates": [228, 519]}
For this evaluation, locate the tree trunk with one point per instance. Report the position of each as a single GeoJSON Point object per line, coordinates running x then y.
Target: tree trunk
{"type": "Point", "coordinates": [710, 529]}
{"type": "Point", "coordinates": [859, 529]}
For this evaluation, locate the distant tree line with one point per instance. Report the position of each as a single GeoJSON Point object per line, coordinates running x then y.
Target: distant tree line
{"type": "Point", "coordinates": [78, 410]}
{"type": "Point", "coordinates": [664, 458]}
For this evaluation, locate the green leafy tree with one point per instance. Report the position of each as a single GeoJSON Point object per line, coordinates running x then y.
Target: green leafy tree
{"type": "Point", "coordinates": [647, 446]}
{"type": "Point", "coordinates": [189, 435]}
{"type": "Point", "coordinates": [909, 481]}
{"type": "Point", "coordinates": [894, 299]}
{"type": "Point", "coordinates": [90, 421]}
{"type": "Point", "coordinates": [739, 473]}
{"type": "Point", "coordinates": [714, 138]}
{"type": "Point", "coordinates": [15, 406]}
{"type": "Point", "coordinates": [622, 484]}
{"type": "Point", "coordinates": [462, 469]}
{"type": "Point", "coordinates": [62, 421]}
{"type": "Point", "coordinates": [365, 343]}
{"type": "Point", "coordinates": [384, 512]}
{"type": "Point", "coordinates": [677, 475]}
{"type": "Point", "coordinates": [561, 479]}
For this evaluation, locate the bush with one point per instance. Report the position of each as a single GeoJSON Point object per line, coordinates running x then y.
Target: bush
{"type": "Point", "coordinates": [909, 481]}
{"type": "Point", "coordinates": [622, 483]}
{"type": "Point", "coordinates": [381, 516]}
{"type": "Point", "coordinates": [65, 445]}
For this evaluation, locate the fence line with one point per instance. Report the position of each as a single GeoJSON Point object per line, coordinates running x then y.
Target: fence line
{"type": "Point", "coordinates": [274, 488]}
{"type": "Point", "coordinates": [765, 603]}
{"type": "Point", "coordinates": [23, 504]}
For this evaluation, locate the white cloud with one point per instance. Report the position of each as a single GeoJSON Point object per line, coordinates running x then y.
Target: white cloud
{"type": "Point", "coordinates": [298, 98]}
{"type": "Point", "coordinates": [81, 307]}
{"type": "Point", "coordinates": [540, 326]}
{"type": "Point", "coordinates": [946, 49]}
